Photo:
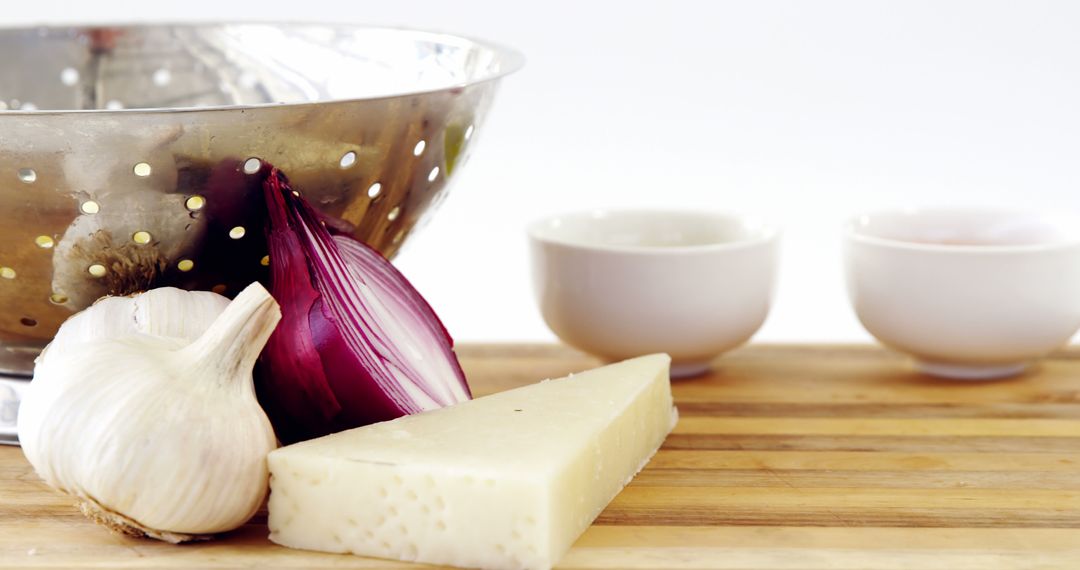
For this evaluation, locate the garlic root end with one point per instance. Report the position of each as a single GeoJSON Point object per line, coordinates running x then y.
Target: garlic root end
{"type": "Point", "coordinates": [123, 525]}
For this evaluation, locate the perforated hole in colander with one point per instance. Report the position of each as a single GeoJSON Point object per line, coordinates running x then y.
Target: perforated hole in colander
{"type": "Point", "coordinates": [162, 77]}
{"type": "Point", "coordinates": [90, 207]}
{"type": "Point", "coordinates": [374, 191]}
{"type": "Point", "coordinates": [347, 160]}
{"type": "Point", "coordinates": [69, 76]}
{"type": "Point", "coordinates": [28, 322]}
{"type": "Point", "coordinates": [28, 175]}
{"type": "Point", "coordinates": [433, 174]}
{"type": "Point", "coordinates": [252, 165]}
{"type": "Point", "coordinates": [195, 203]}
{"type": "Point", "coordinates": [142, 169]}
{"type": "Point", "coordinates": [419, 148]}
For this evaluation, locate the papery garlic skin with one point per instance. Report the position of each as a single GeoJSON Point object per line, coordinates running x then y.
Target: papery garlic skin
{"type": "Point", "coordinates": [166, 311]}
{"type": "Point", "coordinates": [157, 434]}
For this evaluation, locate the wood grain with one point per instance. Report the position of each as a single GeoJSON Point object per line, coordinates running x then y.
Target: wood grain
{"type": "Point", "coordinates": [785, 457]}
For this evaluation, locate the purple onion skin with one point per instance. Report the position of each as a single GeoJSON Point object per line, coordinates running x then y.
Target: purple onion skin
{"type": "Point", "coordinates": [310, 381]}
{"type": "Point", "coordinates": [291, 386]}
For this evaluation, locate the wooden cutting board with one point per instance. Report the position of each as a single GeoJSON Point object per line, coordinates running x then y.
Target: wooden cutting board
{"type": "Point", "coordinates": [785, 457]}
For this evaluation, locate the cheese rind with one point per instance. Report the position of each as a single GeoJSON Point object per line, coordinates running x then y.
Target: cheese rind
{"type": "Point", "coordinates": [505, 481]}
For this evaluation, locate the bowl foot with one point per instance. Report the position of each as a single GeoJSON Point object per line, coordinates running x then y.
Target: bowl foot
{"type": "Point", "coordinates": [972, 371]}
{"type": "Point", "coordinates": [688, 369]}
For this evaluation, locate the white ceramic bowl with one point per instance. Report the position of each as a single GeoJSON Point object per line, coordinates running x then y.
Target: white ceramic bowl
{"type": "Point", "coordinates": [971, 294]}
{"type": "Point", "coordinates": [620, 284]}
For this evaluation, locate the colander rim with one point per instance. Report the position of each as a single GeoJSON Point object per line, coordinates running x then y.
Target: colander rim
{"type": "Point", "coordinates": [511, 60]}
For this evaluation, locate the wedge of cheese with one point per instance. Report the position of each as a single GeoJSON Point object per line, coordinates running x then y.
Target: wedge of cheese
{"type": "Point", "coordinates": [505, 481]}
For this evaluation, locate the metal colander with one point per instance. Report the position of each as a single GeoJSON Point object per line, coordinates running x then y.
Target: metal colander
{"type": "Point", "coordinates": [129, 155]}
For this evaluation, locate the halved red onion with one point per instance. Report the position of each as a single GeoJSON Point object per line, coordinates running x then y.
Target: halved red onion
{"type": "Point", "coordinates": [357, 344]}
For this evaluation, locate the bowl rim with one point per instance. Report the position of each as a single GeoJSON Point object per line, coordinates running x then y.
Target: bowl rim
{"type": "Point", "coordinates": [768, 232]}
{"type": "Point", "coordinates": [511, 60]}
{"type": "Point", "coordinates": [852, 232]}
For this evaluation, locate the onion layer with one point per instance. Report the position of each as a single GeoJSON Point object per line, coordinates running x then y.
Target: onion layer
{"type": "Point", "coordinates": [357, 344]}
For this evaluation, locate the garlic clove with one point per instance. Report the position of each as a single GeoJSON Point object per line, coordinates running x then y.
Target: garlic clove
{"type": "Point", "coordinates": [166, 311]}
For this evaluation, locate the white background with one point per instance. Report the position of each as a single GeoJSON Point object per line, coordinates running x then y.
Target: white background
{"type": "Point", "coordinates": [805, 112]}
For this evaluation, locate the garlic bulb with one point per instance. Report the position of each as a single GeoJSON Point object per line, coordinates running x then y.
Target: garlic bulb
{"type": "Point", "coordinates": [166, 311]}
{"type": "Point", "coordinates": [155, 435]}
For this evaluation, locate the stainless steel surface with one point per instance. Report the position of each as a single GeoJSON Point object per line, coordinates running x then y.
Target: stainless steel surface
{"type": "Point", "coordinates": [130, 156]}
{"type": "Point", "coordinates": [10, 391]}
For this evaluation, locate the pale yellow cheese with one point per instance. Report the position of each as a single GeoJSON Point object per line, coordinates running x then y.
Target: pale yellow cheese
{"type": "Point", "coordinates": [505, 481]}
